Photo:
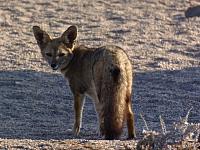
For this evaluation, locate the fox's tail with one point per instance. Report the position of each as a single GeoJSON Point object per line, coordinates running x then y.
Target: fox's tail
{"type": "Point", "coordinates": [115, 104]}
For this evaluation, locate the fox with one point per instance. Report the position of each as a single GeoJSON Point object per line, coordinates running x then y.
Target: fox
{"type": "Point", "coordinates": [104, 74]}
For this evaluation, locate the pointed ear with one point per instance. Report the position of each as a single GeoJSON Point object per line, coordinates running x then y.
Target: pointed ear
{"type": "Point", "coordinates": [41, 36]}
{"type": "Point", "coordinates": [69, 36]}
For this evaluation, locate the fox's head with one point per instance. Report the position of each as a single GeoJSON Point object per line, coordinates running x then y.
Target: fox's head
{"type": "Point", "coordinates": [57, 51]}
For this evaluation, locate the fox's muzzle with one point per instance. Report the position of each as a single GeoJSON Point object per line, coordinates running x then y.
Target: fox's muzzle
{"type": "Point", "coordinates": [54, 66]}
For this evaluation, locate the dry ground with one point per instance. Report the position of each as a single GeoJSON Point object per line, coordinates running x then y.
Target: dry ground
{"type": "Point", "coordinates": [35, 102]}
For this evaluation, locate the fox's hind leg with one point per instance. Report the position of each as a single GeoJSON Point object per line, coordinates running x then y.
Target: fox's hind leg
{"type": "Point", "coordinates": [130, 119]}
{"type": "Point", "coordinates": [99, 110]}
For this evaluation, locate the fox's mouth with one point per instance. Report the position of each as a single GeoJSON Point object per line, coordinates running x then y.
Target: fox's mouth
{"type": "Point", "coordinates": [57, 66]}
{"type": "Point", "coordinates": [54, 66]}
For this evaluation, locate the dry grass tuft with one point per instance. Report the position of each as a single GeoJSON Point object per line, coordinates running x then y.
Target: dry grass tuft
{"type": "Point", "coordinates": [183, 136]}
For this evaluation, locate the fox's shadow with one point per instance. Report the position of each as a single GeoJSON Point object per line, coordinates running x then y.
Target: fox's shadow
{"type": "Point", "coordinates": [38, 105]}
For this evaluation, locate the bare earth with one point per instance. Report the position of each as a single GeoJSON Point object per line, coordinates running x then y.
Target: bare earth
{"type": "Point", "coordinates": [36, 107]}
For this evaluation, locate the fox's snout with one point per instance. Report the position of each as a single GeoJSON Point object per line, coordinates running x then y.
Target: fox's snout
{"type": "Point", "coordinates": [54, 66]}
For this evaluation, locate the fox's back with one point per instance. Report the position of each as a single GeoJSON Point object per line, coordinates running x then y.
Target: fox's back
{"type": "Point", "coordinates": [111, 58]}
{"type": "Point", "coordinates": [112, 53]}
{"type": "Point", "coordinates": [111, 63]}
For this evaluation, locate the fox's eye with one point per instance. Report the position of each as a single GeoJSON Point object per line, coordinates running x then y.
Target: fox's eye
{"type": "Point", "coordinates": [49, 54]}
{"type": "Point", "coordinates": [61, 54]}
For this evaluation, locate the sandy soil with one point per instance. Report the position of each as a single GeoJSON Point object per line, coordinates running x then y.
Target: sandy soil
{"type": "Point", "coordinates": [35, 102]}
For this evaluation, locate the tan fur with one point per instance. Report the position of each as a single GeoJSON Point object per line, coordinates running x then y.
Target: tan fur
{"type": "Point", "coordinates": [104, 74]}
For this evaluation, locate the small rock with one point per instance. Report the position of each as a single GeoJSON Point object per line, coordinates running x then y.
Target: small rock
{"type": "Point", "coordinates": [192, 12]}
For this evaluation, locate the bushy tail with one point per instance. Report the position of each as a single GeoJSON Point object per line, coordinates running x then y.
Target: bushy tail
{"type": "Point", "coordinates": [114, 106]}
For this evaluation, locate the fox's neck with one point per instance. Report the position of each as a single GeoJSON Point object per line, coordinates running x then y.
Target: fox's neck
{"type": "Point", "coordinates": [80, 53]}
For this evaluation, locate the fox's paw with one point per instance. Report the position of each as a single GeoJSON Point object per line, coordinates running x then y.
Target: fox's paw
{"type": "Point", "coordinates": [131, 136]}
{"type": "Point", "coordinates": [76, 129]}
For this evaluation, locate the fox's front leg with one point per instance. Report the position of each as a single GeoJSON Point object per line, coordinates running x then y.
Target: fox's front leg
{"type": "Point", "coordinates": [78, 108]}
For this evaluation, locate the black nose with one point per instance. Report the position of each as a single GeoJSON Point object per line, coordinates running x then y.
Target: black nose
{"type": "Point", "coordinates": [53, 65]}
